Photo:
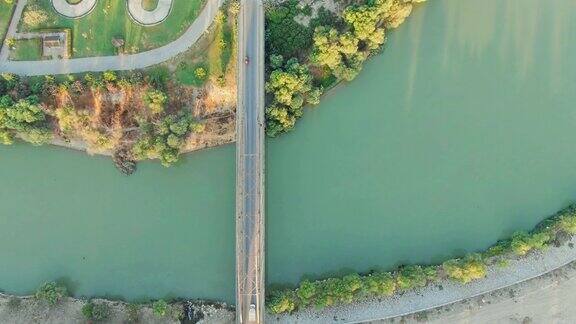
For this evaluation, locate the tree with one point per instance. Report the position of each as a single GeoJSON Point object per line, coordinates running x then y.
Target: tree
{"type": "Point", "coordinates": [109, 76]}
{"type": "Point", "coordinates": [291, 88]}
{"type": "Point", "coordinates": [25, 118]}
{"type": "Point", "coordinates": [337, 51]}
{"type": "Point", "coordinates": [155, 99]}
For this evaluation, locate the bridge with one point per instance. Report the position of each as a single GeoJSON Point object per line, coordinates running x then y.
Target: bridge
{"type": "Point", "coordinates": [250, 137]}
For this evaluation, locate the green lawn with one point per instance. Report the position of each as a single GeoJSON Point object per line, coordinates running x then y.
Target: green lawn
{"type": "Point", "coordinates": [220, 52]}
{"type": "Point", "coordinates": [93, 34]}
{"type": "Point", "coordinates": [5, 15]}
{"type": "Point", "coordinates": [27, 50]}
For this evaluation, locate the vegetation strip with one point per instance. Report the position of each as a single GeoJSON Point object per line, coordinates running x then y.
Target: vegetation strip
{"type": "Point", "coordinates": [556, 230]}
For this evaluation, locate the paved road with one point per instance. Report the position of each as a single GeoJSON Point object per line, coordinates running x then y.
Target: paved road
{"type": "Point", "coordinates": [121, 62]}
{"type": "Point", "coordinates": [250, 165]}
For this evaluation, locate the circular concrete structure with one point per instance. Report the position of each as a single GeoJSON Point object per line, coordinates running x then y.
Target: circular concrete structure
{"type": "Point", "coordinates": [74, 11]}
{"type": "Point", "coordinates": [149, 17]}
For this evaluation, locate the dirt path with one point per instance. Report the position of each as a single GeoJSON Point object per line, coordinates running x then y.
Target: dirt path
{"type": "Point", "coordinates": [548, 299]}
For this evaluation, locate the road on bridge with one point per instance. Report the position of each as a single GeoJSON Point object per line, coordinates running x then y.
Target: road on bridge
{"type": "Point", "coordinates": [250, 165]}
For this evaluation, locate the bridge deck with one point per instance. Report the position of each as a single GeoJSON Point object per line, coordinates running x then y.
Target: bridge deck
{"type": "Point", "coordinates": [250, 165]}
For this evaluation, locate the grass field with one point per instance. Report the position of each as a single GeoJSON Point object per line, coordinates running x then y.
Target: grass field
{"type": "Point", "coordinates": [5, 15]}
{"type": "Point", "coordinates": [27, 50]}
{"type": "Point", "coordinates": [93, 34]}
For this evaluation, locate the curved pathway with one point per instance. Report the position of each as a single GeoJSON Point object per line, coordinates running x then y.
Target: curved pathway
{"type": "Point", "coordinates": [104, 63]}
{"type": "Point", "coordinates": [74, 11]}
{"type": "Point", "coordinates": [146, 17]}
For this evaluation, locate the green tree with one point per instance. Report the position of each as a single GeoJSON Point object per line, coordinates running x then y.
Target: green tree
{"type": "Point", "coordinates": [155, 99]}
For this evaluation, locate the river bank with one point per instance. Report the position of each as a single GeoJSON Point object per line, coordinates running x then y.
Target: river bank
{"type": "Point", "coordinates": [437, 298]}
{"type": "Point", "coordinates": [27, 309]}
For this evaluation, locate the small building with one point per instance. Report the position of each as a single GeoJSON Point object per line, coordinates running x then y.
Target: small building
{"type": "Point", "coordinates": [52, 41]}
{"type": "Point", "coordinates": [54, 45]}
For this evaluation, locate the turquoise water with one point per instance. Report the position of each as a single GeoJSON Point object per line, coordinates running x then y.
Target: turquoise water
{"type": "Point", "coordinates": [162, 232]}
{"type": "Point", "coordinates": [461, 132]}
{"type": "Point", "coordinates": [458, 134]}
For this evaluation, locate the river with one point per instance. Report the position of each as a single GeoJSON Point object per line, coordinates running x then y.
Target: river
{"type": "Point", "coordinates": [458, 134]}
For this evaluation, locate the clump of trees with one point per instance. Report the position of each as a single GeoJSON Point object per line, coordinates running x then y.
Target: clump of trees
{"type": "Point", "coordinates": [284, 36]}
{"type": "Point", "coordinates": [339, 48]}
{"type": "Point", "coordinates": [24, 118]}
{"type": "Point", "coordinates": [164, 139]}
{"type": "Point", "coordinates": [344, 50]}
{"type": "Point", "coordinates": [123, 114]}
{"type": "Point", "coordinates": [353, 287]}
{"type": "Point", "coordinates": [290, 87]}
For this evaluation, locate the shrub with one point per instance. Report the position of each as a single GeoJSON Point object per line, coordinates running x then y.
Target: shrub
{"type": "Point", "coordinates": [410, 277]}
{"type": "Point", "coordinates": [567, 220]}
{"type": "Point", "coordinates": [133, 313]}
{"type": "Point", "coordinates": [465, 270]}
{"type": "Point", "coordinates": [51, 292]}
{"type": "Point", "coordinates": [380, 284]}
{"type": "Point", "coordinates": [109, 76]}
{"type": "Point", "coordinates": [282, 302]}
{"type": "Point", "coordinates": [160, 308]}
{"type": "Point", "coordinates": [200, 73]}
{"type": "Point", "coordinates": [523, 242]}
{"type": "Point", "coordinates": [96, 312]}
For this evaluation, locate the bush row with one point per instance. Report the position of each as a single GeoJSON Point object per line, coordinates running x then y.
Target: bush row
{"type": "Point", "coordinates": [53, 294]}
{"type": "Point", "coordinates": [354, 287]}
